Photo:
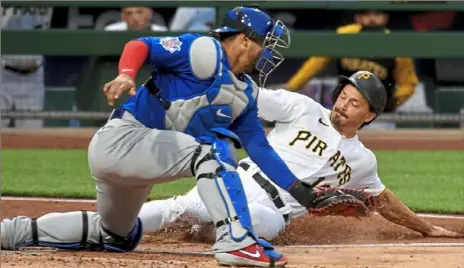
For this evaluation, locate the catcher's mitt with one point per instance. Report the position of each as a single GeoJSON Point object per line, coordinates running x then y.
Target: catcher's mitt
{"type": "Point", "coordinates": [343, 202]}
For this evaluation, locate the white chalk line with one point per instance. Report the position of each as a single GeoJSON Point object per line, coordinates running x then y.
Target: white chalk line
{"type": "Point", "coordinates": [425, 244]}
{"type": "Point", "coordinates": [36, 251]}
{"type": "Point", "coordinates": [44, 199]}
{"type": "Point", "coordinates": [71, 200]}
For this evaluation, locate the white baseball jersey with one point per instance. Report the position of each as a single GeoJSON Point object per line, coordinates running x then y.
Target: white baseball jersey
{"type": "Point", "coordinates": [312, 148]}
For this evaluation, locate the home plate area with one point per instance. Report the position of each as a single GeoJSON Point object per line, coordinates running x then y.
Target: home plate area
{"type": "Point", "coordinates": [325, 242]}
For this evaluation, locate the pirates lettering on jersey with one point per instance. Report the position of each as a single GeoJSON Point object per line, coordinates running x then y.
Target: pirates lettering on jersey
{"type": "Point", "coordinates": [338, 162]}
{"type": "Point", "coordinates": [315, 143]}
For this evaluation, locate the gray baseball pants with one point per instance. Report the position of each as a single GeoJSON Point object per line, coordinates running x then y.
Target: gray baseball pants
{"type": "Point", "coordinates": [126, 159]}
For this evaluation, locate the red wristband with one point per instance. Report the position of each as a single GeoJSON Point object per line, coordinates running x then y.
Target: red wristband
{"type": "Point", "coordinates": [132, 58]}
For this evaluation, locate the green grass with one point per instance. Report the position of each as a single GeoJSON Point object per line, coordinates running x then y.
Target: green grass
{"type": "Point", "coordinates": [431, 181]}
{"type": "Point", "coordinates": [426, 181]}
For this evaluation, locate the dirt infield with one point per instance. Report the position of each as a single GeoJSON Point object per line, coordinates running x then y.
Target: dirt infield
{"type": "Point", "coordinates": [385, 240]}
{"type": "Point", "coordinates": [303, 231]}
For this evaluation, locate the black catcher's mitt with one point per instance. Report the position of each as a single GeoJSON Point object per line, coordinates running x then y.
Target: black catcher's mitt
{"type": "Point", "coordinates": [343, 202]}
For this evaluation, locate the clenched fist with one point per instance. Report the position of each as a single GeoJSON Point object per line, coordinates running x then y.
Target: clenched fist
{"type": "Point", "coordinates": [119, 85]}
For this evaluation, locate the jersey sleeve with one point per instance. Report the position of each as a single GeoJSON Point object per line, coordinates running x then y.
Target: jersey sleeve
{"type": "Point", "coordinates": [189, 53]}
{"type": "Point", "coordinates": [251, 133]}
{"type": "Point", "coordinates": [371, 182]}
{"type": "Point", "coordinates": [282, 105]}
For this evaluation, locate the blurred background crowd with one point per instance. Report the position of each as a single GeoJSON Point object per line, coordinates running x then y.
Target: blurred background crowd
{"type": "Point", "coordinates": [35, 82]}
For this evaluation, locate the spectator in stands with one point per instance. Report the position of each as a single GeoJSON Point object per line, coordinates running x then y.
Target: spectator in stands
{"type": "Point", "coordinates": [136, 18]}
{"type": "Point", "coordinates": [22, 86]}
{"type": "Point", "coordinates": [194, 19]}
{"type": "Point", "coordinates": [398, 74]}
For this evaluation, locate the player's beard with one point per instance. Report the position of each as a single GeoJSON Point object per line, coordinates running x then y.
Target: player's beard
{"type": "Point", "coordinates": [336, 119]}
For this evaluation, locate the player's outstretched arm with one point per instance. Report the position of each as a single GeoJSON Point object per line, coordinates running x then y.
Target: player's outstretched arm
{"type": "Point", "coordinates": [394, 210]}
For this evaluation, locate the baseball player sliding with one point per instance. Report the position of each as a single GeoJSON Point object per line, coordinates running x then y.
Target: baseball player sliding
{"type": "Point", "coordinates": [186, 120]}
{"type": "Point", "coordinates": [318, 145]}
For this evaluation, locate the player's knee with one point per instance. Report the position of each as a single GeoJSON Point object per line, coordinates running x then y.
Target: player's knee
{"type": "Point", "coordinates": [203, 164]}
{"type": "Point", "coordinates": [267, 223]}
{"type": "Point", "coordinates": [117, 243]}
{"type": "Point", "coordinates": [209, 160]}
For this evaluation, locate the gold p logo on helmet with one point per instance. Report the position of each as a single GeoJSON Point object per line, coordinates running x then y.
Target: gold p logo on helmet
{"type": "Point", "coordinates": [364, 75]}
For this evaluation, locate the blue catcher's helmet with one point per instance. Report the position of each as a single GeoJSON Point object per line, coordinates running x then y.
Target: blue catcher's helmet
{"type": "Point", "coordinates": [259, 26]}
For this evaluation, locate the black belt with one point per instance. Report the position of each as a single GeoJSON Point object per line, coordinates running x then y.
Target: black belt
{"type": "Point", "coordinates": [21, 71]}
{"type": "Point", "coordinates": [117, 113]}
{"type": "Point", "coordinates": [269, 188]}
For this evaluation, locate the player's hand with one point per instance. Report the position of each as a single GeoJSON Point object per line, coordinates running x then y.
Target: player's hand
{"type": "Point", "coordinates": [324, 200]}
{"type": "Point", "coordinates": [122, 83]}
{"type": "Point", "coordinates": [438, 231]}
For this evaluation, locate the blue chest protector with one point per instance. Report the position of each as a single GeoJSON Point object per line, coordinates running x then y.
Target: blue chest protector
{"type": "Point", "coordinates": [203, 100]}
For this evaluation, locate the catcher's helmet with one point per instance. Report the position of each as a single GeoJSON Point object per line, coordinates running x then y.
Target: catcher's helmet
{"type": "Point", "coordinates": [369, 85]}
{"type": "Point", "coordinates": [260, 27]}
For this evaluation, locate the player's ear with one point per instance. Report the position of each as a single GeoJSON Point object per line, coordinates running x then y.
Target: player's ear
{"type": "Point", "coordinates": [369, 117]}
{"type": "Point", "coordinates": [245, 40]}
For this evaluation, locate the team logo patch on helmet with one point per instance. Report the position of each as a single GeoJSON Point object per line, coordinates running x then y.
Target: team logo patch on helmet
{"type": "Point", "coordinates": [171, 44]}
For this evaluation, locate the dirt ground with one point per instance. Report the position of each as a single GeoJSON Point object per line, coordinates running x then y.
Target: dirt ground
{"type": "Point", "coordinates": [373, 242]}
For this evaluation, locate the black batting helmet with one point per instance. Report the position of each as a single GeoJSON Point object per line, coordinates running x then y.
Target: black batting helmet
{"type": "Point", "coordinates": [369, 85]}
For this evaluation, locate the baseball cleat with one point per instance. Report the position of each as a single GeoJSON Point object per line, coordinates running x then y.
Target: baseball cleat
{"type": "Point", "coordinates": [251, 256]}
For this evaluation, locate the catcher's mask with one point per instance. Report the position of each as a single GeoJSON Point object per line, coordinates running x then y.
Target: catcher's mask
{"type": "Point", "coordinates": [260, 27]}
{"type": "Point", "coordinates": [370, 86]}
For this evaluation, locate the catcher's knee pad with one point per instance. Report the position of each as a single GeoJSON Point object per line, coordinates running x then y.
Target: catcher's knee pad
{"type": "Point", "coordinates": [228, 184]}
{"type": "Point", "coordinates": [80, 231]}
{"type": "Point", "coordinates": [125, 244]}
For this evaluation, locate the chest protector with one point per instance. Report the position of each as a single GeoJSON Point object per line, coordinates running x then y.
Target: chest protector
{"type": "Point", "coordinates": [216, 108]}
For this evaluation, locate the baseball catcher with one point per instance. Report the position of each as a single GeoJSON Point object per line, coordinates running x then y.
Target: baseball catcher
{"type": "Point", "coordinates": [187, 120]}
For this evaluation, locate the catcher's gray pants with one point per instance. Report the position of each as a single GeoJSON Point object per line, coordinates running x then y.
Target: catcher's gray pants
{"type": "Point", "coordinates": [126, 159]}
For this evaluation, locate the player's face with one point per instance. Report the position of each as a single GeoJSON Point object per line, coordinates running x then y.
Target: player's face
{"type": "Point", "coordinates": [372, 18]}
{"type": "Point", "coordinates": [249, 54]}
{"type": "Point", "coordinates": [254, 53]}
{"type": "Point", "coordinates": [351, 109]}
{"type": "Point", "coordinates": [137, 18]}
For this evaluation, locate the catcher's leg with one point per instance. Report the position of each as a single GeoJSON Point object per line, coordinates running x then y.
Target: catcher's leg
{"type": "Point", "coordinates": [74, 230]}
{"type": "Point", "coordinates": [221, 190]}
{"type": "Point", "coordinates": [126, 159]}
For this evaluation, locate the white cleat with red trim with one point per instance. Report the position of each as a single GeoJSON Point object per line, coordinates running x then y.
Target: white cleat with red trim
{"type": "Point", "coordinates": [251, 256]}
